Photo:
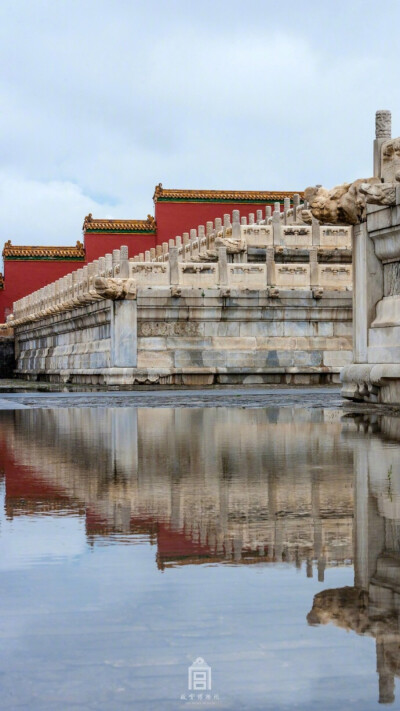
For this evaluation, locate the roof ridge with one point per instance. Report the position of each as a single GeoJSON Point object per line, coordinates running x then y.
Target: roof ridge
{"type": "Point", "coordinates": [91, 223]}
{"type": "Point", "coordinates": [20, 250]}
{"type": "Point", "coordinates": [267, 195]}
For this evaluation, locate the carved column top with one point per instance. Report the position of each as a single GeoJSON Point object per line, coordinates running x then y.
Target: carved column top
{"type": "Point", "coordinates": [383, 124]}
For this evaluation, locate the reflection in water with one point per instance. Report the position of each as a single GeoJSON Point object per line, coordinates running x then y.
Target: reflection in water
{"type": "Point", "coordinates": [218, 486]}
{"type": "Point", "coordinates": [207, 485]}
{"type": "Point", "coordinates": [372, 606]}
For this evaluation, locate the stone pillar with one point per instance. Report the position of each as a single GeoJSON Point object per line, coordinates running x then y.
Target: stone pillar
{"type": "Point", "coordinates": [360, 318]}
{"type": "Point", "coordinates": [367, 291]}
{"type": "Point", "coordinates": [268, 213]}
{"type": "Point", "coordinates": [173, 266]}
{"type": "Point", "coordinates": [236, 233]}
{"type": "Point", "coordinates": [124, 334]}
{"type": "Point", "coordinates": [314, 267]}
{"type": "Point", "coordinates": [270, 257]}
{"type": "Point", "coordinates": [315, 232]}
{"type": "Point", "coordinates": [227, 223]}
{"type": "Point", "coordinates": [296, 203]}
{"type": "Point", "coordinates": [124, 264]}
{"type": "Point", "coordinates": [383, 132]}
{"type": "Point", "coordinates": [109, 265]}
{"type": "Point", "coordinates": [276, 225]}
{"type": "Point", "coordinates": [116, 258]}
{"type": "Point", "coordinates": [223, 266]}
{"type": "Point", "coordinates": [259, 216]}
{"type": "Point", "coordinates": [286, 207]}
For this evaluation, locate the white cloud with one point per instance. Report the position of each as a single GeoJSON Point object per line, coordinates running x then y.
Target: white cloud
{"type": "Point", "coordinates": [101, 102]}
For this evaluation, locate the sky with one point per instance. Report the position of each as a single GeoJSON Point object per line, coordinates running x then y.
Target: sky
{"type": "Point", "coordinates": [100, 101]}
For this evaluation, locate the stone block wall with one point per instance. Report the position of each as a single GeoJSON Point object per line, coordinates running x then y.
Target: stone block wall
{"type": "Point", "coordinates": [200, 337]}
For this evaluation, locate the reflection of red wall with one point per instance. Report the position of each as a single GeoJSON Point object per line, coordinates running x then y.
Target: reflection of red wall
{"type": "Point", "coordinates": [98, 244]}
{"type": "Point", "coordinates": [21, 277]}
{"type": "Point", "coordinates": [174, 218]}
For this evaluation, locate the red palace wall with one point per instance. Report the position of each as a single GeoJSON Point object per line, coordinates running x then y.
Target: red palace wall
{"type": "Point", "coordinates": [174, 218]}
{"type": "Point", "coordinates": [97, 244]}
{"type": "Point", "coordinates": [21, 277]}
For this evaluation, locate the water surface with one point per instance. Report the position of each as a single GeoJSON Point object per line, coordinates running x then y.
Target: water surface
{"type": "Point", "coordinates": [134, 541]}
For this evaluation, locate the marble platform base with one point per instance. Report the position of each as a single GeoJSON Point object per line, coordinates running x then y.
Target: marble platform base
{"type": "Point", "coordinates": [372, 383]}
{"type": "Point", "coordinates": [200, 337]}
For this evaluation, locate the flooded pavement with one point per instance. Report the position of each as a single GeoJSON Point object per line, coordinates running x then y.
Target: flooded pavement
{"type": "Point", "coordinates": [198, 556]}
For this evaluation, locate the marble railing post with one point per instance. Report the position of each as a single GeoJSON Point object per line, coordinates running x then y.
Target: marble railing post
{"type": "Point", "coordinates": [209, 229]}
{"type": "Point", "coordinates": [315, 232]}
{"type": "Point", "coordinates": [313, 267]}
{"type": "Point", "coordinates": [286, 207]}
{"type": "Point", "coordinates": [227, 223]}
{"type": "Point", "coordinates": [223, 266]}
{"type": "Point", "coordinates": [276, 225]}
{"type": "Point", "coordinates": [173, 266]}
{"type": "Point", "coordinates": [236, 224]}
{"type": "Point", "coordinates": [108, 265]}
{"type": "Point", "coordinates": [124, 262]}
{"type": "Point", "coordinates": [116, 258]}
{"type": "Point", "coordinates": [296, 203]}
{"type": "Point", "coordinates": [270, 259]}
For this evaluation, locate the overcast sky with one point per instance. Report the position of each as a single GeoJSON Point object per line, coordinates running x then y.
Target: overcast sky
{"type": "Point", "coordinates": [101, 100]}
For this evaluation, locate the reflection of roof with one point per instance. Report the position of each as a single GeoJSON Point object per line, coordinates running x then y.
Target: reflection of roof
{"type": "Point", "coordinates": [251, 196]}
{"type": "Point", "coordinates": [102, 225]}
{"type": "Point", "coordinates": [17, 251]}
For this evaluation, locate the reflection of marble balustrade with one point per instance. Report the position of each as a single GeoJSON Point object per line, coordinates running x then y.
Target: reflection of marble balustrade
{"type": "Point", "coordinates": [120, 465]}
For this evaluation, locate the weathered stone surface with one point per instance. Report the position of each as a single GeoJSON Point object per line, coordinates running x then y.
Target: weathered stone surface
{"type": "Point", "coordinates": [344, 204]}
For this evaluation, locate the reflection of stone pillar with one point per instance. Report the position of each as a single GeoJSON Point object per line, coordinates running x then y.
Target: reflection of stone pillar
{"type": "Point", "coordinates": [361, 567]}
{"type": "Point", "coordinates": [176, 512]}
{"type": "Point", "coordinates": [124, 445]}
{"type": "Point", "coordinates": [315, 512]}
{"type": "Point", "coordinates": [237, 549]}
{"type": "Point", "coordinates": [272, 508]}
{"type": "Point", "coordinates": [369, 528]}
{"type": "Point", "coordinates": [386, 677]}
